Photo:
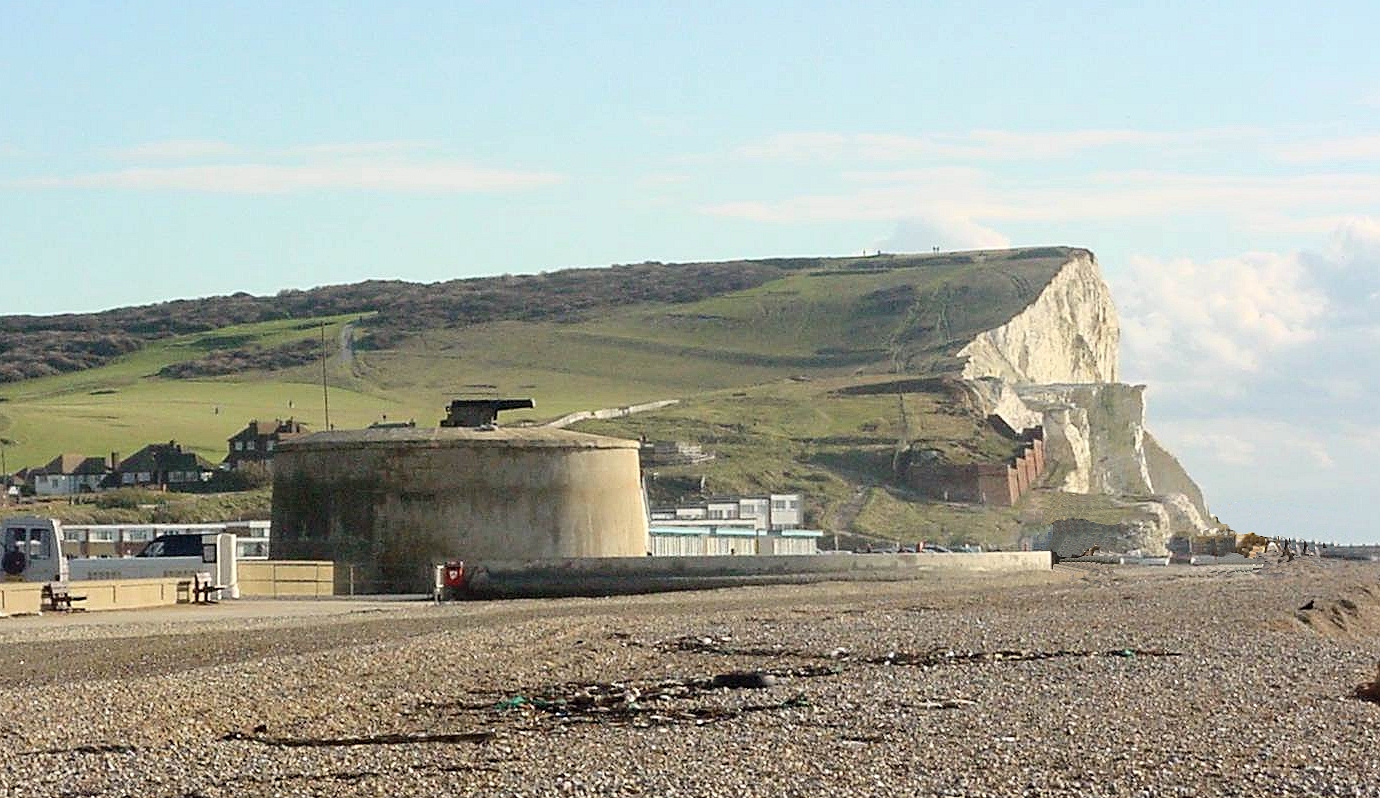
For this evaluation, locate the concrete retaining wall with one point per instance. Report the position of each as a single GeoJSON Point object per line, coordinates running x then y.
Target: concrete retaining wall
{"type": "Point", "coordinates": [281, 579]}
{"type": "Point", "coordinates": [601, 576]}
{"type": "Point", "coordinates": [104, 594]}
{"type": "Point", "coordinates": [128, 594]}
{"type": "Point", "coordinates": [20, 597]}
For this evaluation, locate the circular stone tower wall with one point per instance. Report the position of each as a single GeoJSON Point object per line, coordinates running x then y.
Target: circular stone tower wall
{"type": "Point", "coordinates": [391, 502]}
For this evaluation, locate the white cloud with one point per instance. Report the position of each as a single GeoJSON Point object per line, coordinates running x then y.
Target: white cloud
{"type": "Point", "coordinates": [1206, 322]}
{"type": "Point", "coordinates": [1265, 445]}
{"type": "Point", "coordinates": [1262, 376]}
{"type": "Point", "coordinates": [1344, 389]}
{"type": "Point", "coordinates": [196, 149]}
{"type": "Point", "coordinates": [1356, 242]}
{"type": "Point", "coordinates": [177, 149]}
{"type": "Point", "coordinates": [974, 194]}
{"type": "Point", "coordinates": [1225, 448]}
{"type": "Point", "coordinates": [948, 233]}
{"type": "Point", "coordinates": [1346, 148]}
{"type": "Point", "coordinates": [388, 165]}
{"type": "Point", "coordinates": [664, 179]}
{"type": "Point", "coordinates": [1301, 325]}
{"type": "Point", "coordinates": [358, 148]}
{"type": "Point", "coordinates": [439, 176]}
{"type": "Point", "coordinates": [948, 176]}
{"type": "Point", "coordinates": [974, 145]}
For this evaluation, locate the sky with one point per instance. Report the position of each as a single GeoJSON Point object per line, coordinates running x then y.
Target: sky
{"type": "Point", "coordinates": [1222, 160]}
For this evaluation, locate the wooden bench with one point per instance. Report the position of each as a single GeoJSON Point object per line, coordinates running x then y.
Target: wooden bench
{"type": "Point", "coordinates": [204, 587]}
{"type": "Point", "coordinates": [58, 597]}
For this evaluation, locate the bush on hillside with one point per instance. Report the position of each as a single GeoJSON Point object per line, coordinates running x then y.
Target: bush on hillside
{"type": "Point", "coordinates": [235, 361]}
{"type": "Point", "coordinates": [127, 498]}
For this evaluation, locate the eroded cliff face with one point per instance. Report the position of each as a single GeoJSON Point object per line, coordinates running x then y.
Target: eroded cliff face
{"type": "Point", "coordinates": [1070, 333]}
{"type": "Point", "coordinates": [1102, 428]}
{"type": "Point", "coordinates": [1055, 365]}
{"type": "Point", "coordinates": [1169, 476]}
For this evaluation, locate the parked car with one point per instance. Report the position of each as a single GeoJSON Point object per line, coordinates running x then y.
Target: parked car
{"type": "Point", "coordinates": [175, 545]}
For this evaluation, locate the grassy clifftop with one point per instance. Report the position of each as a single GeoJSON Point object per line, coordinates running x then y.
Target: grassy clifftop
{"type": "Point", "coordinates": [756, 351]}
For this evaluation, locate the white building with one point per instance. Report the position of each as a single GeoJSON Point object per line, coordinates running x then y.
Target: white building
{"type": "Point", "coordinates": [69, 473]}
{"type": "Point", "coordinates": [773, 512]}
{"type": "Point", "coordinates": [252, 538]}
{"type": "Point", "coordinates": [743, 537]}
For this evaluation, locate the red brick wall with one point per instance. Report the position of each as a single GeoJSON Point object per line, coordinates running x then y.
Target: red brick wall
{"type": "Point", "coordinates": [987, 483]}
{"type": "Point", "coordinates": [997, 485]}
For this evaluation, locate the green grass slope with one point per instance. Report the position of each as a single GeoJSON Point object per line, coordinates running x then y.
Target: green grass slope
{"type": "Point", "coordinates": [809, 437]}
{"type": "Point", "coordinates": [125, 405]}
{"type": "Point", "coordinates": [756, 369]}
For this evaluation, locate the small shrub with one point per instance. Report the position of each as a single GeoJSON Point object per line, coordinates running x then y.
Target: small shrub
{"type": "Point", "coordinates": [127, 498]}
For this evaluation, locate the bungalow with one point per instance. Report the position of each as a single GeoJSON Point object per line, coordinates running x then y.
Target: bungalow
{"type": "Point", "coordinates": [70, 473]}
{"type": "Point", "coordinates": [163, 465]}
{"type": "Point", "coordinates": [257, 441]}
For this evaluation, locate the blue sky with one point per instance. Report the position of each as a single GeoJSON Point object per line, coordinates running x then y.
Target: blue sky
{"type": "Point", "coordinates": [1223, 162]}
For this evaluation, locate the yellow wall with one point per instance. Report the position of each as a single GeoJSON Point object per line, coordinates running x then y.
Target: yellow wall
{"type": "Point", "coordinates": [20, 597]}
{"type": "Point", "coordinates": [106, 594]}
{"type": "Point", "coordinates": [284, 578]}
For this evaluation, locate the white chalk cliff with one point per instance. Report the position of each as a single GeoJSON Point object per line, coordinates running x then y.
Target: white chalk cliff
{"type": "Point", "coordinates": [1054, 364]}
{"type": "Point", "coordinates": [1070, 333]}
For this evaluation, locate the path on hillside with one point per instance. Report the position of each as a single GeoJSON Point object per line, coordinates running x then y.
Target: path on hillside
{"type": "Point", "coordinates": [347, 344]}
{"type": "Point", "coordinates": [848, 513]}
{"type": "Point", "coordinates": [610, 412]}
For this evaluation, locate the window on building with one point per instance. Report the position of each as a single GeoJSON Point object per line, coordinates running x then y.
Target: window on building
{"type": "Point", "coordinates": [249, 445]}
{"type": "Point", "coordinates": [127, 479]}
{"type": "Point", "coordinates": [239, 446]}
{"type": "Point", "coordinates": [101, 536]}
{"type": "Point", "coordinates": [269, 446]}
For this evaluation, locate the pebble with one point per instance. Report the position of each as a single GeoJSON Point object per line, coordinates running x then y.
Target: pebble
{"type": "Point", "coordinates": [208, 708]}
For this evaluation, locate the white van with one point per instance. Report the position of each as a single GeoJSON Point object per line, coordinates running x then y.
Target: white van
{"type": "Point", "coordinates": [32, 550]}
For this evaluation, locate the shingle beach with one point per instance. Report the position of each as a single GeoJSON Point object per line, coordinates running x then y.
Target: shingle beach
{"type": "Point", "coordinates": [1087, 680]}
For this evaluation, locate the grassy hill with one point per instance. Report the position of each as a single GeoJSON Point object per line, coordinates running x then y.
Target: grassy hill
{"type": "Point", "coordinates": [757, 367]}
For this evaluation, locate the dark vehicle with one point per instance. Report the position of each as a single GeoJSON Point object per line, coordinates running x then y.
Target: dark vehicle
{"type": "Point", "coordinates": [183, 545]}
